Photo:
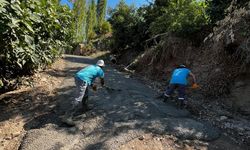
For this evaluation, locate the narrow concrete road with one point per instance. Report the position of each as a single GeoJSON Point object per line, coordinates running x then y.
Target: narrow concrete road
{"type": "Point", "coordinates": [119, 115]}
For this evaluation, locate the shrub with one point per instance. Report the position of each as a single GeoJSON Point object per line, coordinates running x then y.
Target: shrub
{"type": "Point", "coordinates": [183, 17]}
{"type": "Point", "coordinates": [32, 35]}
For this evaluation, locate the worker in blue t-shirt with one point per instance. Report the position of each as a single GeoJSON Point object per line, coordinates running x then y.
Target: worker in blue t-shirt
{"type": "Point", "coordinates": [85, 78]}
{"type": "Point", "coordinates": [179, 81]}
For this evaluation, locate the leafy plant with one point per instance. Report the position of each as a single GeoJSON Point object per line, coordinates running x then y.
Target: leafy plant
{"type": "Point", "coordinates": [105, 28]}
{"type": "Point", "coordinates": [32, 35]}
{"type": "Point", "coordinates": [91, 21]}
{"type": "Point", "coordinates": [182, 17]}
{"type": "Point", "coordinates": [132, 26]}
{"type": "Point", "coordinates": [101, 11]}
{"type": "Point", "coordinates": [79, 22]}
{"type": "Point", "coordinates": [125, 23]}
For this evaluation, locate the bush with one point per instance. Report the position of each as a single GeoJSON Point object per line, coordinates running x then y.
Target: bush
{"type": "Point", "coordinates": [133, 26]}
{"type": "Point", "coordinates": [105, 28]}
{"type": "Point", "coordinates": [181, 17]}
{"type": "Point", "coordinates": [125, 21]}
{"type": "Point", "coordinates": [32, 35]}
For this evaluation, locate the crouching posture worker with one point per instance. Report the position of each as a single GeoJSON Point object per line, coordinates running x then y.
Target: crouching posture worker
{"type": "Point", "coordinates": [179, 81]}
{"type": "Point", "coordinates": [85, 78]}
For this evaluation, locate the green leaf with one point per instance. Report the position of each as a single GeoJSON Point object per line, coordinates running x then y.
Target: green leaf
{"type": "Point", "coordinates": [28, 39]}
{"type": "Point", "coordinates": [32, 31]}
{"type": "Point", "coordinates": [14, 23]}
{"type": "Point", "coordinates": [23, 62]}
{"type": "Point", "coordinates": [19, 64]}
{"type": "Point", "coordinates": [28, 27]}
{"type": "Point", "coordinates": [36, 18]}
{"type": "Point", "coordinates": [2, 10]}
{"type": "Point", "coordinates": [1, 83]}
{"type": "Point", "coordinates": [3, 3]}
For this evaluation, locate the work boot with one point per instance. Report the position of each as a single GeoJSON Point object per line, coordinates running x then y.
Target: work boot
{"type": "Point", "coordinates": [160, 96]}
{"type": "Point", "coordinates": [165, 99]}
{"type": "Point", "coordinates": [68, 120]}
{"type": "Point", "coordinates": [183, 104]}
{"type": "Point", "coordinates": [85, 108]}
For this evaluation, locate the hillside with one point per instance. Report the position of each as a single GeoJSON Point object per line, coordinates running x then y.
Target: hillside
{"type": "Point", "coordinates": [220, 62]}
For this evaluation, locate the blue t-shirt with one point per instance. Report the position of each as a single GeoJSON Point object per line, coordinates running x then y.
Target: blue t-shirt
{"type": "Point", "coordinates": [89, 74]}
{"type": "Point", "coordinates": [179, 76]}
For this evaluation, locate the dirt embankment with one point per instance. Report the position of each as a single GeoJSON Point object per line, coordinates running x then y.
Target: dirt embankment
{"type": "Point", "coordinates": [226, 55]}
{"type": "Point", "coordinates": [222, 67]}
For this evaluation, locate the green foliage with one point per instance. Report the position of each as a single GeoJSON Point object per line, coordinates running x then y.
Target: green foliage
{"type": "Point", "coordinates": [91, 21]}
{"type": "Point", "coordinates": [105, 28]}
{"type": "Point", "coordinates": [216, 9]}
{"type": "Point", "coordinates": [89, 24]}
{"type": "Point", "coordinates": [1, 83]}
{"type": "Point", "coordinates": [183, 16]}
{"type": "Point", "coordinates": [125, 23]}
{"type": "Point", "coordinates": [101, 11]}
{"type": "Point", "coordinates": [79, 13]}
{"type": "Point", "coordinates": [133, 26]}
{"type": "Point", "coordinates": [32, 34]}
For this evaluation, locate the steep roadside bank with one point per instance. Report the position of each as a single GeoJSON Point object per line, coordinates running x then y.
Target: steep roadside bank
{"type": "Point", "coordinates": [222, 68]}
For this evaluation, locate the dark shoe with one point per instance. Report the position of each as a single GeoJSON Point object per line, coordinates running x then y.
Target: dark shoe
{"type": "Point", "coordinates": [78, 112]}
{"type": "Point", "coordinates": [86, 108]}
{"type": "Point", "coordinates": [165, 99]}
{"type": "Point", "coordinates": [160, 96]}
{"type": "Point", "coordinates": [183, 104]}
{"type": "Point", "coordinates": [68, 121]}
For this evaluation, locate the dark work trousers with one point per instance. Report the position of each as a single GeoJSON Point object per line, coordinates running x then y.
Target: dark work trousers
{"type": "Point", "coordinates": [181, 91]}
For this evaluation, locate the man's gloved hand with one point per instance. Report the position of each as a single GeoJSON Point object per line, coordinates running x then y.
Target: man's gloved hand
{"type": "Point", "coordinates": [195, 86]}
{"type": "Point", "coordinates": [94, 87]}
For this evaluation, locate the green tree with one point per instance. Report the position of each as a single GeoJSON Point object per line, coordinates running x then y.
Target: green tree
{"type": "Point", "coordinates": [101, 11]}
{"type": "Point", "coordinates": [216, 9]}
{"type": "Point", "coordinates": [162, 3]}
{"type": "Point", "coordinates": [105, 28]}
{"type": "Point", "coordinates": [91, 21]}
{"type": "Point", "coordinates": [182, 16]}
{"type": "Point", "coordinates": [32, 35]}
{"type": "Point", "coordinates": [125, 25]}
{"type": "Point", "coordinates": [133, 26]}
{"type": "Point", "coordinates": [79, 12]}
